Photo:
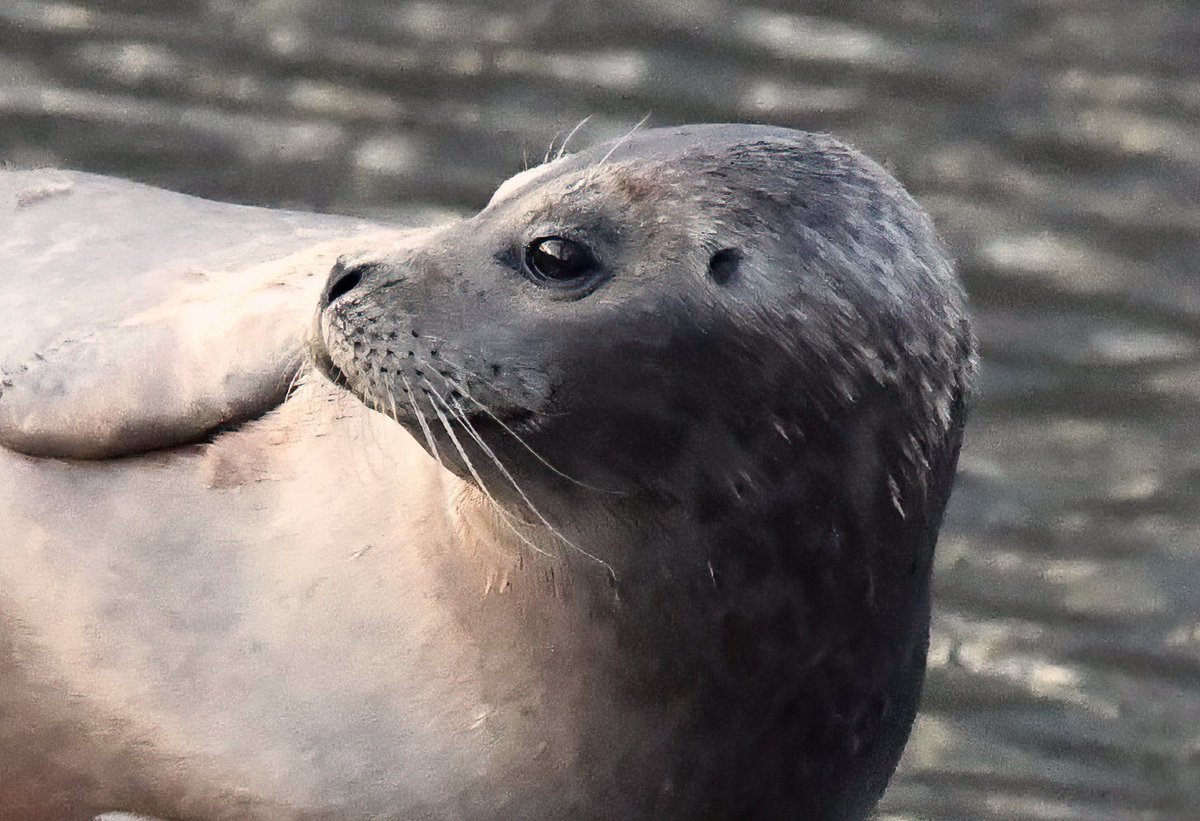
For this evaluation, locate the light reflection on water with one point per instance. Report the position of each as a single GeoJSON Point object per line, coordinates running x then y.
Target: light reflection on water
{"type": "Point", "coordinates": [1058, 146]}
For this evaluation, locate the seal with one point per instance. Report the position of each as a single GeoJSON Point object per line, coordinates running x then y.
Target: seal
{"type": "Point", "coordinates": [616, 500]}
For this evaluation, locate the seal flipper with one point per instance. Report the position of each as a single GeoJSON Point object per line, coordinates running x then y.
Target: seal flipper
{"type": "Point", "coordinates": [133, 318]}
{"type": "Point", "coordinates": [161, 378]}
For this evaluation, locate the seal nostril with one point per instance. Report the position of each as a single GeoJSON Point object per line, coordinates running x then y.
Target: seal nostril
{"type": "Point", "coordinates": [344, 285]}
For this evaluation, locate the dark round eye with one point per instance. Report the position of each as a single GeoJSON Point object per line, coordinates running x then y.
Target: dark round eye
{"type": "Point", "coordinates": [554, 260]}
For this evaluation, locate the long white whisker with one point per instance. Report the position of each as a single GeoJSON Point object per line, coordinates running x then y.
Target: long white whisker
{"type": "Point", "coordinates": [536, 455]}
{"type": "Point", "coordinates": [377, 406]}
{"type": "Point", "coordinates": [479, 480]}
{"type": "Point", "coordinates": [294, 383]}
{"type": "Point", "coordinates": [562, 148]}
{"type": "Point", "coordinates": [550, 150]}
{"type": "Point", "coordinates": [297, 360]}
{"type": "Point", "coordinates": [421, 420]}
{"type": "Point", "coordinates": [391, 395]}
{"type": "Point", "coordinates": [458, 386]}
{"type": "Point", "coordinates": [616, 145]}
{"type": "Point", "coordinates": [461, 417]}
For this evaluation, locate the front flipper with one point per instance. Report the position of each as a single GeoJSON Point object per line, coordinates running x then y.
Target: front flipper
{"type": "Point", "coordinates": [133, 318]}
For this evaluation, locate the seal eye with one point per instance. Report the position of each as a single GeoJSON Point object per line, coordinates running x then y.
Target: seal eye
{"type": "Point", "coordinates": [558, 261]}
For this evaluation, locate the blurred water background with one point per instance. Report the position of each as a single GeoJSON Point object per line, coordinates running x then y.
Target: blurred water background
{"type": "Point", "coordinates": [1057, 144]}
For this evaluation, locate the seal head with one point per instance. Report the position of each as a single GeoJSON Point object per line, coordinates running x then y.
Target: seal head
{"type": "Point", "coordinates": [716, 376]}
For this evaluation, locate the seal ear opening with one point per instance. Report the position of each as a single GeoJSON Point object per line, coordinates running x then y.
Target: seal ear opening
{"type": "Point", "coordinates": [723, 266]}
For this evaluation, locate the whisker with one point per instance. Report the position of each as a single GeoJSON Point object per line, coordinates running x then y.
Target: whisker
{"type": "Point", "coordinates": [422, 421]}
{"type": "Point", "coordinates": [530, 448]}
{"type": "Point", "coordinates": [550, 150]}
{"type": "Point", "coordinates": [369, 421]}
{"type": "Point", "coordinates": [479, 480]}
{"type": "Point", "coordinates": [391, 395]}
{"type": "Point", "coordinates": [462, 390]}
{"type": "Point", "coordinates": [466, 423]}
{"type": "Point", "coordinates": [294, 383]}
{"type": "Point", "coordinates": [562, 148]}
{"type": "Point", "coordinates": [297, 361]}
{"type": "Point", "coordinates": [616, 145]}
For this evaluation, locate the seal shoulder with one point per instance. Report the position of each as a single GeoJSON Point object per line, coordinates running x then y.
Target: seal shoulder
{"type": "Point", "coordinates": [134, 318]}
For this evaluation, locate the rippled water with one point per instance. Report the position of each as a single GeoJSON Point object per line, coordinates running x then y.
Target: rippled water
{"type": "Point", "coordinates": [1057, 143]}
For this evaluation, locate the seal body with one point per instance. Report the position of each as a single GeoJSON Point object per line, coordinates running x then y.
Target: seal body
{"type": "Point", "coordinates": [616, 500]}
